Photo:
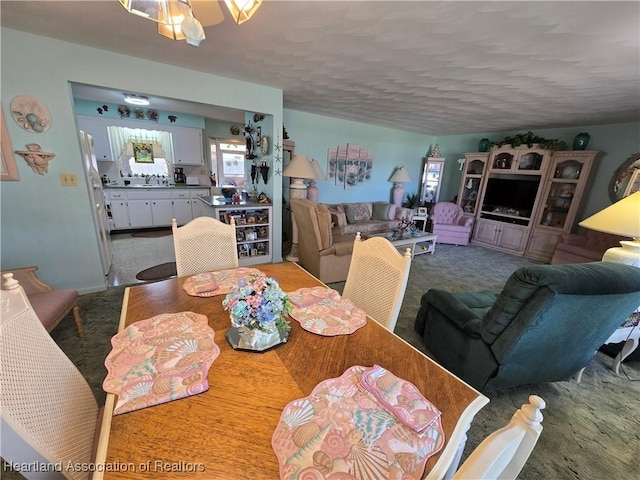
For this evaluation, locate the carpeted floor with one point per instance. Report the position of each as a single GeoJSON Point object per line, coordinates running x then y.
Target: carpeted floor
{"type": "Point", "coordinates": [591, 429]}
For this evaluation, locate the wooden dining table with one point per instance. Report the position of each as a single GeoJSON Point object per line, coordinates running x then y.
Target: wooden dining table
{"type": "Point", "coordinates": [225, 432]}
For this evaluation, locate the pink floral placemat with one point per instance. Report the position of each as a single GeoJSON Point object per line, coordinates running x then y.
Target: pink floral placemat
{"type": "Point", "coordinates": [160, 359]}
{"type": "Point", "coordinates": [341, 428]}
{"type": "Point", "coordinates": [220, 282]}
{"type": "Point", "coordinates": [323, 311]}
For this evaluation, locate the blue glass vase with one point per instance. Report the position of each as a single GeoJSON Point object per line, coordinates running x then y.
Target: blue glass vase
{"type": "Point", "coordinates": [484, 145]}
{"type": "Point", "coordinates": [581, 141]}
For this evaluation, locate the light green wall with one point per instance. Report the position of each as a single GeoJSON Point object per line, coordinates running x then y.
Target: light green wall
{"type": "Point", "coordinates": [51, 226]}
{"type": "Point", "coordinates": [315, 134]}
{"type": "Point", "coordinates": [48, 225]}
{"type": "Point", "coordinates": [617, 142]}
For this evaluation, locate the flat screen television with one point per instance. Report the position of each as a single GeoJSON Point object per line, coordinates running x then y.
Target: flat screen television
{"type": "Point", "coordinates": [505, 194]}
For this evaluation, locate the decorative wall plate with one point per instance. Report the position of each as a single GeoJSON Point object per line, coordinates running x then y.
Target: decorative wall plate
{"type": "Point", "coordinates": [30, 113]}
{"type": "Point", "coordinates": [264, 145]}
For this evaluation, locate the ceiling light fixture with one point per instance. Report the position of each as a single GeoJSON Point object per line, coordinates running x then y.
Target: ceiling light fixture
{"type": "Point", "coordinates": [161, 11]}
{"type": "Point", "coordinates": [134, 99]}
{"type": "Point", "coordinates": [242, 10]}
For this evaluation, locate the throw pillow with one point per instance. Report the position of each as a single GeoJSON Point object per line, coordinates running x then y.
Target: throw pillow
{"type": "Point", "coordinates": [381, 211]}
{"type": "Point", "coordinates": [357, 212]}
{"type": "Point", "coordinates": [392, 211]}
{"type": "Point", "coordinates": [323, 216]}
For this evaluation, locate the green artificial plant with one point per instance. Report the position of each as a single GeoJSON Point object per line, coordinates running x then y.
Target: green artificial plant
{"type": "Point", "coordinates": [529, 139]}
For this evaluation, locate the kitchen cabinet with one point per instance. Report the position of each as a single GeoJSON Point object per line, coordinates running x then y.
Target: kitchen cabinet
{"type": "Point", "coordinates": [98, 130]}
{"type": "Point", "coordinates": [503, 236]}
{"type": "Point", "coordinates": [187, 146]}
{"type": "Point", "coordinates": [161, 212]}
{"type": "Point", "coordinates": [118, 211]}
{"type": "Point", "coordinates": [198, 207]}
{"type": "Point", "coordinates": [182, 210]}
{"type": "Point", "coordinates": [140, 207]}
{"type": "Point", "coordinates": [140, 213]}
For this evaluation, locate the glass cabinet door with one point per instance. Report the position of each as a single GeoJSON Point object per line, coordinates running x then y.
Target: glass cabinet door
{"type": "Point", "coordinates": [560, 194]}
{"type": "Point", "coordinates": [431, 180]}
{"type": "Point", "coordinates": [471, 181]}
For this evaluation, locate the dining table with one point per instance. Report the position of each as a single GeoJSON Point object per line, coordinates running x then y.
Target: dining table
{"type": "Point", "coordinates": [225, 432]}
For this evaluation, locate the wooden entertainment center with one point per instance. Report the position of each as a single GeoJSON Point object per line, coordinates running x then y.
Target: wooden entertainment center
{"type": "Point", "coordinates": [524, 198]}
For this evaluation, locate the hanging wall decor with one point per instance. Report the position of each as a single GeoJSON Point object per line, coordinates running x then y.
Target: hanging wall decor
{"type": "Point", "coordinates": [36, 158]}
{"type": "Point", "coordinates": [349, 165]}
{"type": "Point", "coordinates": [30, 114]}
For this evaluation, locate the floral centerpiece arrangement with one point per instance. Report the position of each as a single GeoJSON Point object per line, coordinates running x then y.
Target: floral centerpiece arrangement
{"type": "Point", "coordinates": [258, 308]}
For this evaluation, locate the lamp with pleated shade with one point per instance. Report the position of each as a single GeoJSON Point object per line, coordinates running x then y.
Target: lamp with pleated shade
{"type": "Point", "coordinates": [622, 218]}
{"type": "Point", "coordinates": [399, 177]}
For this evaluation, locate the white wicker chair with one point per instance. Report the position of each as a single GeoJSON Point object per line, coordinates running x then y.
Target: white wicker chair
{"type": "Point", "coordinates": [503, 453]}
{"type": "Point", "coordinates": [203, 245]}
{"type": "Point", "coordinates": [377, 279]}
{"type": "Point", "coordinates": [49, 414]}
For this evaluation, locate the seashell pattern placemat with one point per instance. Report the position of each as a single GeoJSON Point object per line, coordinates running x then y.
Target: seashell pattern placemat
{"type": "Point", "coordinates": [220, 282]}
{"type": "Point", "coordinates": [160, 359]}
{"type": "Point", "coordinates": [323, 311]}
{"type": "Point", "coordinates": [342, 429]}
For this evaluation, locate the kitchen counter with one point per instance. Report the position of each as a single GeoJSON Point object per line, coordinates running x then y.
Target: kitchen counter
{"type": "Point", "coordinates": [219, 201]}
{"type": "Point", "coordinates": [137, 186]}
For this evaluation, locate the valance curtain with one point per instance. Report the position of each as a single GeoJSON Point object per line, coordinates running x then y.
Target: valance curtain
{"type": "Point", "coordinates": [120, 136]}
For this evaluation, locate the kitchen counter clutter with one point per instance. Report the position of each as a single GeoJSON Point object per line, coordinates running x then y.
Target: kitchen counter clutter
{"type": "Point", "coordinates": [171, 186]}
{"type": "Point", "coordinates": [253, 226]}
{"type": "Point", "coordinates": [152, 206]}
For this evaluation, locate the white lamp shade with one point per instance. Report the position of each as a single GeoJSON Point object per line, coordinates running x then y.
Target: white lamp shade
{"type": "Point", "coordinates": [400, 176]}
{"type": "Point", "coordinates": [622, 218]}
{"type": "Point", "coordinates": [318, 170]}
{"type": "Point", "coordinates": [299, 167]}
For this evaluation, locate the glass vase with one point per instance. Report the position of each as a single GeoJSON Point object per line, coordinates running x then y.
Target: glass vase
{"type": "Point", "coordinates": [581, 141]}
{"type": "Point", "coordinates": [256, 340]}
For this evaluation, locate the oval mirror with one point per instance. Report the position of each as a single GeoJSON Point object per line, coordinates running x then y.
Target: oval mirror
{"type": "Point", "coordinates": [622, 176]}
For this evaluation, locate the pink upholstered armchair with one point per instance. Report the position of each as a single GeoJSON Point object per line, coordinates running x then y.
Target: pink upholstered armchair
{"type": "Point", "coordinates": [450, 224]}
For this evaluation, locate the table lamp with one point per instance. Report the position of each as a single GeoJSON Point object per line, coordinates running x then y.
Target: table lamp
{"type": "Point", "coordinates": [299, 169]}
{"type": "Point", "coordinates": [399, 177]}
{"type": "Point", "coordinates": [622, 218]}
{"type": "Point", "coordinates": [312, 188]}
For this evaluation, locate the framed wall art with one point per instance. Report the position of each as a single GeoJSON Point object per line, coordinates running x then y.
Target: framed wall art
{"type": "Point", "coordinates": [8, 169]}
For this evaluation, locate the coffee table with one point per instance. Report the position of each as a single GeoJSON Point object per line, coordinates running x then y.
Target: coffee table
{"type": "Point", "coordinates": [409, 240]}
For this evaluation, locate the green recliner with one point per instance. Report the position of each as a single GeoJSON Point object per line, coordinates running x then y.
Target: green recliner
{"type": "Point", "coordinates": [545, 325]}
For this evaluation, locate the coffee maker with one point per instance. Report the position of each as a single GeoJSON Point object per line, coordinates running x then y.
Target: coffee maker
{"type": "Point", "coordinates": [179, 176]}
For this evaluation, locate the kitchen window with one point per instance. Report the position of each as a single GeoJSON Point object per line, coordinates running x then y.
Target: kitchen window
{"type": "Point", "coordinates": [124, 140]}
{"type": "Point", "coordinates": [228, 161]}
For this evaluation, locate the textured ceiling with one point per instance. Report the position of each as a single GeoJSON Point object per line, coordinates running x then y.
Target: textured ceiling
{"type": "Point", "coordinates": [428, 67]}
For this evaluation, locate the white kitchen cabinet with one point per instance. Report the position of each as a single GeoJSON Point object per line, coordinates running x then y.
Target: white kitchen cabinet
{"type": "Point", "coordinates": [198, 207]}
{"type": "Point", "coordinates": [140, 213]}
{"type": "Point", "coordinates": [98, 130]}
{"type": "Point", "coordinates": [187, 146]}
{"type": "Point", "coordinates": [118, 212]}
{"type": "Point", "coordinates": [182, 206]}
{"type": "Point", "coordinates": [161, 212]}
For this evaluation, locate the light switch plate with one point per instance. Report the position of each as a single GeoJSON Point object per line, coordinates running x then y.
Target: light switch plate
{"type": "Point", "coordinates": [68, 179]}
